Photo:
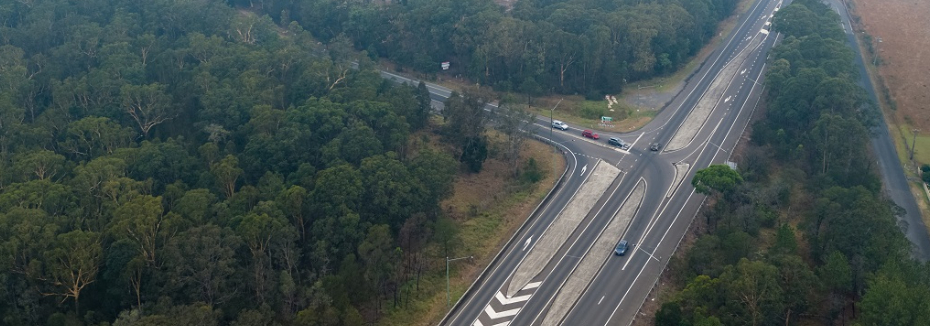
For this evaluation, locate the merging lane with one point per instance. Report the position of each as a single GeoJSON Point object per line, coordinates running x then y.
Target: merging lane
{"type": "Point", "coordinates": [728, 84]}
{"type": "Point", "coordinates": [706, 119]}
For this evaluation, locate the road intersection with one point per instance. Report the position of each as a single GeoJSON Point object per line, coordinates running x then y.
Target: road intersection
{"type": "Point", "coordinates": [560, 269]}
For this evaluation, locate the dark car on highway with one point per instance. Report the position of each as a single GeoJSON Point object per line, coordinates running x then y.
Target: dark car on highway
{"type": "Point", "coordinates": [618, 142]}
{"type": "Point", "coordinates": [621, 248]}
{"type": "Point", "coordinates": [655, 147]}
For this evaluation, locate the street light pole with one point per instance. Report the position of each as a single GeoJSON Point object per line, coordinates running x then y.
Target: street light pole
{"type": "Point", "coordinates": [550, 118]}
{"type": "Point", "coordinates": [448, 290]}
{"type": "Point", "coordinates": [554, 148]}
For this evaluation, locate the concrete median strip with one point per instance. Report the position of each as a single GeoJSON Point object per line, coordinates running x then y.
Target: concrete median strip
{"type": "Point", "coordinates": [600, 251]}
{"type": "Point", "coordinates": [701, 112]}
{"type": "Point", "coordinates": [564, 225]}
{"type": "Point", "coordinates": [681, 171]}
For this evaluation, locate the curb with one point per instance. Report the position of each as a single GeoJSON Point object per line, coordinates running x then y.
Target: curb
{"type": "Point", "coordinates": [497, 257]}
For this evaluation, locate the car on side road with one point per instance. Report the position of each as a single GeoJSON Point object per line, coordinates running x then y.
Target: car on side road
{"type": "Point", "coordinates": [618, 142]}
{"type": "Point", "coordinates": [559, 125]}
{"type": "Point", "coordinates": [622, 247]}
{"type": "Point", "coordinates": [590, 134]}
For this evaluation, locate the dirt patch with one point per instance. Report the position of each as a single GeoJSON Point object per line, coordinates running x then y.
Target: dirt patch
{"type": "Point", "coordinates": [903, 54]}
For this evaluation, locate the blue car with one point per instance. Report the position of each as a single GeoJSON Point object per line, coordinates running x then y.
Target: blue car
{"type": "Point", "coordinates": [621, 248]}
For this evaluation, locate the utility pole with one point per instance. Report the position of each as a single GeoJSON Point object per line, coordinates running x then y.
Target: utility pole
{"type": "Point", "coordinates": [448, 290]}
{"type": "Point", "coordinates": [913, 143]}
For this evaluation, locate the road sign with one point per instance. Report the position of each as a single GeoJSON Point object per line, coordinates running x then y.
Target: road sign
{"type": "Point", "coordinates": [445, 65]}
{"type": "Point", "coordinates": [607, 119]}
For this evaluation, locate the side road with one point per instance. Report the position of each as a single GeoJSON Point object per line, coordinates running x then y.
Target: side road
{"type": "Point", "coordinates": [894, 181]}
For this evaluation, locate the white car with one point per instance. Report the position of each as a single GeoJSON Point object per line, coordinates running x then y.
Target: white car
{"type": "Point", "coordinates": [559, 125]}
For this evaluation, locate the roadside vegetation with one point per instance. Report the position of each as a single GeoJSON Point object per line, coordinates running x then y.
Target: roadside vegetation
{"type": "Point", "coordinates": [591, 48]}
{"type": "Point", "coordinates": [801, 232]}
{"type": "Point", "coordinates": [185, 163]}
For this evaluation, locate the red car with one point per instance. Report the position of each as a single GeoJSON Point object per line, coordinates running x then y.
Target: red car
{"type": "Point", "coordinates": [590, 134]}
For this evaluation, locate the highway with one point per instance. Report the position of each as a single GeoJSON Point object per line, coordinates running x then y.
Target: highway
{"type": "Point", "coordinates": [548, 274]}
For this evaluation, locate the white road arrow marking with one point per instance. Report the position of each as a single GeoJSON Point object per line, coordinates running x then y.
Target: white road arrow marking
{"type": "Point", "coordinates": [504, 301]}
{"type": "Point", "coordinates": [498, 315]}
{"type": "Point", "coordinates": [584, 168]}
{"type": "Point", "coordinates": [527, 244]}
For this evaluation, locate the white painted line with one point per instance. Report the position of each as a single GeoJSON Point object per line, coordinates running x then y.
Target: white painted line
{"type": "Point", "coordinates": [546, 209]}
{"type": "Point", "coordinates": [504, 323]}
{"type": "Point", "coordinates": [649, 253]}
{"type": "Point", "coordinates": [531, 286]}
{"type": "Point", "coordinates": [686, 199]}
{"type": "Point", "coordinates": [637, 139]}
{"type": "Point", "coordinates": [601, 300]}
{"type": "Point", "coordinates": [477, 323]}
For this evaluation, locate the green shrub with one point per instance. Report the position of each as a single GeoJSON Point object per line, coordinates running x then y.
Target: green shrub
{"type": "Point", "coordinates": [531, 172]}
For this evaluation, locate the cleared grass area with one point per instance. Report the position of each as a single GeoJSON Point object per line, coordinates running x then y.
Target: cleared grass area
{"type": "Point", "coordinates": [487, 207]}
{"type": "Point", "coordinates": [582, 113]}
{"type": "Point", "coordinates": [921, 157]}
{"type": "Point", "coordinates": [922, 151]}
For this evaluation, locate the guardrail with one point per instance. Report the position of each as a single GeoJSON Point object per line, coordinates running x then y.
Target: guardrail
{"type": "Point", "coordinates": [509, 242]}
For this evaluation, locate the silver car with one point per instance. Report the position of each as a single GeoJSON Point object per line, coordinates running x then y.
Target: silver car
{"type": "Point", "coordinates": [559, 125]}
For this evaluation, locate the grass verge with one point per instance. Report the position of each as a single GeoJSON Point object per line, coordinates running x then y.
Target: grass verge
{"type": "Point", "coordinates": [487, 210]}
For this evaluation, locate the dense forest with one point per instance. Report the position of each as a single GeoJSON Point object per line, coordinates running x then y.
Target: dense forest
{"type": "Point", "coordinates": [182, 162]}
{"type": "Point", "coordinates": [588, 47]}
{"type": "Point", "coordinates": [802, 233]}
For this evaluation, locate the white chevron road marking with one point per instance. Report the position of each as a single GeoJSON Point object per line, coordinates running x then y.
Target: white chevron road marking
{"type": "Point", "coordinates": [498, 315]}
{"type": "Point", "coordinates": [505, 301]}
{"type": "Point", "coordinates": [532, 286]}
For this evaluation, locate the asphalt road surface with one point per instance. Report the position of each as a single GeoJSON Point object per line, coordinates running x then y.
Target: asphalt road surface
{"type": "Point", "coordinates": [894, 182]}
{"type": "Point", "coordinates": [711, 112]}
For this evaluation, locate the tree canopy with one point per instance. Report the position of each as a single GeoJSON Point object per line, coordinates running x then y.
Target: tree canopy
{"type": "Point", "coordinates": [803, 233]}
{"type": "Point", "coordinates": [570, 46]}
{"type": "Point", "coordinates": [188, 163]}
